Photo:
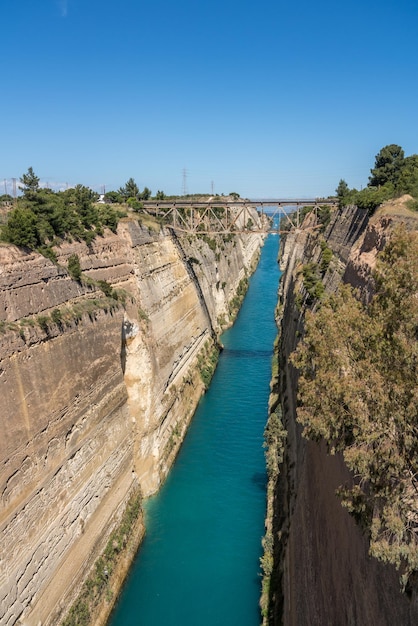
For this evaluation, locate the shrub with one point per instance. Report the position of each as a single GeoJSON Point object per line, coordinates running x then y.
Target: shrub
{"type": "Point", "coordinates": [325, 257]}
{"type": "Point", "coordinates": [107, 289]}
{"type": "Point", "coordinates": [56, 317]}
{"type": "Point", "coordinates": [43, 322]}
{"type": "Point", "coordinates": [74, 268]}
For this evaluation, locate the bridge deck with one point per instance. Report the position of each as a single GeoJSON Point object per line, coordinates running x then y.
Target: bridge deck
{"type": "Point", "coordinates": [222, 203]}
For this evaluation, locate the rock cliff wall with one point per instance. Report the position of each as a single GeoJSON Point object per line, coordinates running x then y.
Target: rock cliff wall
{"type": "Point", "coordinates": [99, 380]}
{"type": "Point", "coordinates": [322, 573]}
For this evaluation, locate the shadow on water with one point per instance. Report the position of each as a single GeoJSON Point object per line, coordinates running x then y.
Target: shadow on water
{"type": "Point", "coordinates": [260, 480]}
{"type": "Point", "coordinates": [247, 352]}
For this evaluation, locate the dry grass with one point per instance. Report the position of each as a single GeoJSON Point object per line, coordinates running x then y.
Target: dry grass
{"type": "Point", "coordinates": [397, 207]}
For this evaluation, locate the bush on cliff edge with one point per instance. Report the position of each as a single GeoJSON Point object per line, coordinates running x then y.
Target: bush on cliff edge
{"type": "Point", "coordinates": [358, 390]}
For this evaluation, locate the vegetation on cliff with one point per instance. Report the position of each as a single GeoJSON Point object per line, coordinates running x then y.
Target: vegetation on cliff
{"type": "Point", "coordinates": [98, 584]}
{"type": "Point", "coordinates": [392, 176]}
{"type": "Point", "coordinates": [358, 390]}
{"type": "Point", "coordinates": [236, 301]}
{"type": "Point", "coordinates": [42, 218]}
{"type": "Point", "coordinates": [275, 436]}
{"type": "Point", "coordinates": [207, 361]}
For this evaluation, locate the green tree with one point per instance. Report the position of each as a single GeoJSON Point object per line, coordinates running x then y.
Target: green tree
{"type": "Point", "coordinates": [29, 182]}
{"type": "Point", "coordinates": [145, 194]}
{"type": "Point", "coordinates": [408, 178]}
{"type": "Point", "coordinates": [83, 199]}
{"type": "Point", "coordinates": [135, 204]}
{"type": "Point", "coordinates": [342, 192]}
{"type": "Point", "coordinates": [74, 267]}
{"type": "Point", "coordinates": [388, 165]}
{"type": "Point", "coordinates": [129, 190]}
{"type": "Point", "coordinates": [113, 196]}
{"type": "Point", "coordinates": [160, 195]}
{"type": "Point", "coordinates": [21, 228]}
{"type": "Point", "coordinates": [358, 390]}
{"type": "Point", "coordinates": [371, 197]}
{"type": "Point", "coordinates": [109, 217]}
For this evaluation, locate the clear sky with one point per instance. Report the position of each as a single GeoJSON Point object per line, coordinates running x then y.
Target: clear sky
{"type": "Point", "coordinates": [266, 98]}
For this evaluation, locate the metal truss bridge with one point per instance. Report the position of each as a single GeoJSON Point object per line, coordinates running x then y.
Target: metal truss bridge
{"type": "Point", "coordinates": [222, 216]}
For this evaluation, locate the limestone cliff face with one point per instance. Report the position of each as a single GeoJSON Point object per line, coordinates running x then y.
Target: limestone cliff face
{"type": "Point", "coordinates": [97, 394]}
{"type": "Point", "coordinates": [322, 573]}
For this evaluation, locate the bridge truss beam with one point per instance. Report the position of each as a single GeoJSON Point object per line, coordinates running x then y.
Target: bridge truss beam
{"type": "Point", "coordinates": [227, 217]}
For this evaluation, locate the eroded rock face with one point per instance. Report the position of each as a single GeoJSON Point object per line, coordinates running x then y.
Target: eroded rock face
{"type": "Point", "coordinates": [322, 571]}
{"type": "Point", "coordinates": [96, 395]}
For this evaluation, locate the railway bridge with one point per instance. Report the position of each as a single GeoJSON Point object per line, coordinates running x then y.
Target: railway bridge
{"type": "Point", "coordinates": [221, 215]}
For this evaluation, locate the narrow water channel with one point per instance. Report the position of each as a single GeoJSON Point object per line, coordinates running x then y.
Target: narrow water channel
{"type": "Point", "coordinates": [199, 562]}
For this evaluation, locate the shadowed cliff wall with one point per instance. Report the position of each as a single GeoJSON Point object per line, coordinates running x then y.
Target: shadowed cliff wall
{"type": "Point", "coordinates": [322, 572]}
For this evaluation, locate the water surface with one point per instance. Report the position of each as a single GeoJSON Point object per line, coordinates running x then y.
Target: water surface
{"type": "Point", "coordinates": [199, 562]}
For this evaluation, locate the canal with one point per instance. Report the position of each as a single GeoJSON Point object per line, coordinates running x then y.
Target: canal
{"type": "Point", "coordinates": [199, 562]}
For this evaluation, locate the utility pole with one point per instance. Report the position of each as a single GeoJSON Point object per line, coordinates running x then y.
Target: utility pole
{"type": "Point", "coordinates": [5, 187]}
{"type": "Point", "coordinates": [184, 182]}
{"type": "Point", "coordinates": [211, 184]}
{"type": "Point", "coordinates": [14, 189]}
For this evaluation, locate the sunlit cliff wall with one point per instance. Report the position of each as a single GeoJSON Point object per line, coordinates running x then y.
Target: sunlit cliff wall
{"type": "Point", "coordinates": [97, 393]}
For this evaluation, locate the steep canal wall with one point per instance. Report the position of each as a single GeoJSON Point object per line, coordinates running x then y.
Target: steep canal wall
{"type": "Point", "coordinates": [100, 374]}
{"type": "Point", "coordinates": [317, 565]}
{"type": "Point", "coordinates": [199, 563]}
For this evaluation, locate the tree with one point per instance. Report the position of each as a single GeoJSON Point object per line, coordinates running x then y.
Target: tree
{"type": "Point", "coordinates": [109, 217]}
{"type": "Point", "coordinates": [371, 197]}
{"type": "Point", "coordinates": [112, 196]}
{"type": "Point", "coordinates": [74, 267]}
{"type": "Point", "coordinates": [358, 390]}
{"type": "Point", "coordinates": [408, 178]}
{"type": "Point", "coordinates": [130, 190]}
{"type": "Point", "coordinates": [342, 192]}
{"type": "Point", "coordinates": [160, 195]}
{"type": "Point", "coordinates": [30, 182]}
{"type": "Point", "coordinates": [146, 194]}
{"type": "Point", "coordinates": [135, 204]}
{"type": "Point", "coordinates": [83, 199]}
{"type": "Point", "coordinates": [388, 165]}
{"type": "Point", "coordinates": [21, 228]}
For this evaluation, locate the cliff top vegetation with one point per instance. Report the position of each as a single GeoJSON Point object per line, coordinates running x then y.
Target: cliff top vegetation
{"type": "Point", "coordinates": [358, 390]}
{"type": "Point", "coordinates": [42, 218]}
{"type": "Point", "coordinates": [392, 176]}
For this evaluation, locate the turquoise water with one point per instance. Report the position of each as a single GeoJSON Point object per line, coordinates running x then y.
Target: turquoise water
{"type": "Point", "coordinates": [199, 562]}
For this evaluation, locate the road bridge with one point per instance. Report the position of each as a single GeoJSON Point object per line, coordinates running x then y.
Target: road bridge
{"type": "Point", "coordinates": [219, 215]}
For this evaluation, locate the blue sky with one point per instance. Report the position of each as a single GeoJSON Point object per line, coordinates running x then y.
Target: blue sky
{"type": "Point", "coordinates": [266, 98]}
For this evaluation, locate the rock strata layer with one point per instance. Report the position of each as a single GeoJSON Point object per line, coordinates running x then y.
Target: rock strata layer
{"type": "Point", "coordinates": [99, 380]}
